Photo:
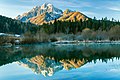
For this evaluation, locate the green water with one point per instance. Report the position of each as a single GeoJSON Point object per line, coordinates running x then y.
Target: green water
{"type": "Point", "coordinates": [61, 62]}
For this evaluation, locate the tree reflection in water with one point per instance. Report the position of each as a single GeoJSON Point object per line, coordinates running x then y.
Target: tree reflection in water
{"type": "Point", "coordinates": [47, 59]}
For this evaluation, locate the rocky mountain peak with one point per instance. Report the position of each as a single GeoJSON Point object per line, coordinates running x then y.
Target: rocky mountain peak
{"type": "Point", "coordinates": [46, 5]}
{"type": "Point", "coordinates": [39, 10]}
{"type": "Point", "coordinates": [47, 12]}
{"type": "Point", "coordinates": [67, 11]}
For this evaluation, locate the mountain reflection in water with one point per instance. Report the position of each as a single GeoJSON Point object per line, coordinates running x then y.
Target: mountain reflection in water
{"type": "Point", "coordinates": [47, 59]}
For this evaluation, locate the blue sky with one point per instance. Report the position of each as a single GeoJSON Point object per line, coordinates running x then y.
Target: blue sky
{"type": "Point", "coordinates": [91, 8]}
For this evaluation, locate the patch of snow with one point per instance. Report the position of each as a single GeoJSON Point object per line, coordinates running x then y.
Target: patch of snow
{"type": "Point", "coordinates": [38, 10]}
{"type": "Point", "coordinates": [16, 35]}
{"type": "Point", "coordinates": [2, 33]}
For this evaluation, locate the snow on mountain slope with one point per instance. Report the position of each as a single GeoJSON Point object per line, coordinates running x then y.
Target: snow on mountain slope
{"type": "Point", "coordinates": [38, 10]}
{"type": "Point", "coordinates": [48, 13]}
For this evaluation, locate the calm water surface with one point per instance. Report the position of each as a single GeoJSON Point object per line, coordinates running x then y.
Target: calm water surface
{"type": "Point", "coordinates": [61, 62]}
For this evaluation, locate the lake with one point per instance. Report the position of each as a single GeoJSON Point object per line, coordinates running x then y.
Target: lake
{"type": "Point", "coordinates": [91, 61]}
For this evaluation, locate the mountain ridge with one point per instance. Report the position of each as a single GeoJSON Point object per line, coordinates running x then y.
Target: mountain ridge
{"type": "Point", "coordinates": [39, 10]}
{"type": "Point", "coordinates": [48, 13]}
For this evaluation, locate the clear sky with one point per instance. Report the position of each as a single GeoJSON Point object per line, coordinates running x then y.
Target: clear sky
{"type": "Point", "coordinates": [91, 8]}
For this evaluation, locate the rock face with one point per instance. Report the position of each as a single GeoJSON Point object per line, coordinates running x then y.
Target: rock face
{"type": "Point", "coordinates": [48, 13]}
{"type": "Point", "coordinates": [67, 11]}
{"type": "Point", "coordinates": [72, 16]}
{"type": "Point", "coordinates": [44, 18]}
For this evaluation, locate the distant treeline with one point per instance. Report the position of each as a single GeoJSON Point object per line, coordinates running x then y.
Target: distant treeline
{"type": "Point", "coordinates": [74, 27]}
{"type": "Point", "coordinates": [9, 25]}
{"type": "Point", "coordinates": [91, 29]}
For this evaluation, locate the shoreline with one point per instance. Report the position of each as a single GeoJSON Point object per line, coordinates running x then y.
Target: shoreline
{"type": "Point", "coordinates": [66, 42]}
{"type": "Point", "coordinates": [63, 42]}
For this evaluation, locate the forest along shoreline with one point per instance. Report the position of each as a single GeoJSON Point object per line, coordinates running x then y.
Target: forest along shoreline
{"type": "Point", "coordinates": [90, 30]}
{"type": "Point", "coordinates": [41, 25]}
{"type": "Point", "coordinates": [59, 38]}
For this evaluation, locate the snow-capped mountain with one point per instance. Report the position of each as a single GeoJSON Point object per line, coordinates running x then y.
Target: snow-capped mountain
{"type": "Point", "coordinates": [51, 11]}
{"type": "Point", "coordinates": [48, 13]}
